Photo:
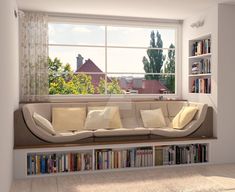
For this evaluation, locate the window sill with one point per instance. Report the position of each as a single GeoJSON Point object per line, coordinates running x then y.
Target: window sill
{"type": "Point", "coordinates": [84, 98]}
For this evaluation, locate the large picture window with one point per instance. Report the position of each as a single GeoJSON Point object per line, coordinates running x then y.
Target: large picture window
{"type": "Point", "coordinates": [105, 59]}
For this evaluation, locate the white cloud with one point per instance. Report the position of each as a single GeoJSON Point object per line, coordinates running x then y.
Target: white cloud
{"type": "Point", "coordinates": [81, 29]}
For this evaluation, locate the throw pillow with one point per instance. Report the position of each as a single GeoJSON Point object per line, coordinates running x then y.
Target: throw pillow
{"type": "Point", "coordinates": [103, 118]}
{"type": "Point", "coordinates": [43, 123]}
{"type": "Point", "coordinates": [184, 117]}
{"type": "Point", "coordinates": [68, 119]}
{"type": "Point", "coordinates": [153, 118]}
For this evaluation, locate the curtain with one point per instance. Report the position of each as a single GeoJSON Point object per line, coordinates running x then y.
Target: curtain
{"type": "Point", "coordinates": [33, 32]}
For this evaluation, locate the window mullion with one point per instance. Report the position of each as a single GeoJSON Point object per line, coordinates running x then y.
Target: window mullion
{"type": "Point", "coordinates": [106, 91]}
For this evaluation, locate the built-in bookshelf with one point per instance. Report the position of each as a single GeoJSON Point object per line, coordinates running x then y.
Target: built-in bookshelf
{"type": "Point", "coordinates": [123, 158]}
{"type": "Point", "coordinates": [43, 162]}
{"type": "Point", "coordinates": [48, 163]}
{"type": "Point", "coordinates": [200, 65]}
{"type": "Point", "coordinates": [181, 154]}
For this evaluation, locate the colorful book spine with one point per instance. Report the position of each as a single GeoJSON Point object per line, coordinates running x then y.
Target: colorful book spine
{"type": "Point", "coordinates": [57, 163]}
{"type": "Point", "coordinates": [181, 154]}
{"type": "Point", "coordinates": [113, 159]}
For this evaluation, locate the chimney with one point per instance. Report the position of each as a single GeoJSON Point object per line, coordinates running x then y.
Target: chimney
{"type": "Point", "coordinates": [79, 61]}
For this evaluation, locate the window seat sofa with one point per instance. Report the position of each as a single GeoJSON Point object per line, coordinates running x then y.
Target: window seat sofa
{"type": "Point", "coordinates": [25, 126]}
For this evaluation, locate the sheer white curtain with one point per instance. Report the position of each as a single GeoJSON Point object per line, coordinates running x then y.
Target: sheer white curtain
{"type": "Point", "coordinates": [33, 56]}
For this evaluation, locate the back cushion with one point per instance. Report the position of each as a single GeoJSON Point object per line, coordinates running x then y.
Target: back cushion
{"type": "Point", "coordinates": [175, 106]}
{"type": "Point", "coordinates": [138, 107]}
{"type": "Point", "coordinates": [199, 106]}
{"type": "Point", "coordinates": [43, 109]}
{"type": "Point", "coordinates": [126, 109]}
{"type": "Point", "coordinates": [65, 119]}
{"type": "Point", "coordinates": [162, 105]}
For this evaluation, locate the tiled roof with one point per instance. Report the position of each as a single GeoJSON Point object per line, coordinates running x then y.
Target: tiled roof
{"type": "Point", "coordinates": [148, 86]}
{"type": "Point", "coordinates": [90, 66]}
{"type": "Point", "coordinates": [152, 86]}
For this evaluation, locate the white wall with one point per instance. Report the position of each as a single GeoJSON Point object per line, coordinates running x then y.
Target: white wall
{"type": "Point", "coordinates": [226, 88]}
{"type": "Point", "coordinates": [210, 17]}
{"type": "Point", "coordinates": [8, 88]}
{"type": "Point", "coordinates": [218, 22]}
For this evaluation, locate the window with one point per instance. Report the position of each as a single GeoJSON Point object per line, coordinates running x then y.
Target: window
{"type": "Point", "coordinates": [105, 59]}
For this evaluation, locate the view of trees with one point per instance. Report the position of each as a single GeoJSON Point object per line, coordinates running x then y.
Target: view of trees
{"type": "Point", "coordinates": [155, 60]}
{"type": "Point", "coordinates": [62, 80]}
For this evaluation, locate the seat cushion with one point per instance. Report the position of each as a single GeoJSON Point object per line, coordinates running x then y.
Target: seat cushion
{"type": "Point", "coordinates": [121, 132]}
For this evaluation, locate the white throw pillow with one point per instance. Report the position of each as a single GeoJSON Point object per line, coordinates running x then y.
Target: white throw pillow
{"type": "Point", "coordinates": [68, 119]}
{"type": "Point", "coordinates": [153, 118]}
{"type": "Point", "coordinates": [103, 118]}
{"type": "Point", "coordinates": [184, 117]}
{"type": "Point", "coordinates": [43, 123]}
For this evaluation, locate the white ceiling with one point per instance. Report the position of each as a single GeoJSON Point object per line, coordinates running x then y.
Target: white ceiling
{"type": "Point", "coordinates": [168, 9]}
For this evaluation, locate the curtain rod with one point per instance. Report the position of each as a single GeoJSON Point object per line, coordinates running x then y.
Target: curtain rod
{"type": "Point", "coordinates": [107, 17]}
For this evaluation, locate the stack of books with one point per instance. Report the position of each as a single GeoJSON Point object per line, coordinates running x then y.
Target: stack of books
{"type": "Point", "coordinates": [201, 67]}
{"type": "Point", "coordinates": [135, 157]}
{"type": "Point", "coordinates": [201, 47]}
{"type": "Point", "coordinates": [201, 85]}
{"type": "Point", "coordinates": [56, 163]}
{"type": "Point", "coordinates": [184, 154]}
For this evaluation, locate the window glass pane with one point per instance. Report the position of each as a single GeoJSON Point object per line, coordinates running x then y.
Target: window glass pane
{"type": "Point", "coordinates": [74, 34]}
{"type": "Point", "coordinates": [76, 83]}
{"type": "Point", "coordinates": [126, 60]}
{"type": "Point", "coordinates": [140, 84]}
{"type": "Point", "coordinates": [83, 59]}
{"type": "Point", "coordinates": [139, 37]}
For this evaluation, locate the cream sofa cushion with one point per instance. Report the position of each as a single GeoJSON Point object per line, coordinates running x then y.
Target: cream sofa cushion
{"type": "Point", "coordinates": [43, 123]}
{"type": "Point", "coordinates": [153, 118]}
{"type": "Point", "coordinates": [184, 117]}
{"type": "Point", "coordinates": [103, 118]}
{"type": "Point", "coordinates": [68, 119]}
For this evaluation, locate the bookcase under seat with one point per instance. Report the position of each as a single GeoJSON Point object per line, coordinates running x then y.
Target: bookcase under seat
{"type": "Point", "coordinates": [39, 162]}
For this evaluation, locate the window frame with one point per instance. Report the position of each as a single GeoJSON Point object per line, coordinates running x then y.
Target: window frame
{"type": "Point", "coordinates": [123, 22]}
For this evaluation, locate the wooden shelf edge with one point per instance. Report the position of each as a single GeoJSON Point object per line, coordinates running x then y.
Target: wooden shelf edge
{"type": "Point", "coordinates": [117, 142]}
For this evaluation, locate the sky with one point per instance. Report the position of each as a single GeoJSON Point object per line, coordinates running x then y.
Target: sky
{"type": "Point", "coordinates": [121, 60]}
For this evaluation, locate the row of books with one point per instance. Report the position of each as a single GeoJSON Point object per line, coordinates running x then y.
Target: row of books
{"type": "Point", "coordinates": [201, 85]}
{"type": "Point", "coordinates": [201, 47]}
{"type": "Point", "coordinates": [111, 159]}
{"type": "Point", "coordinates": [56, 163]}
{"type": "Point", "coordinates": [201, 67]}
{"type": "Point", "coordinates": [185, 154]}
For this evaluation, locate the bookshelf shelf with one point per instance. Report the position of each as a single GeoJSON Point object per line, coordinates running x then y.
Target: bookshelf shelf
{"type": "Point", "coordinates": [200, 56]}
{"type": "Point", "coordinates": [42, 162]}
{"type": "Point", "coordinates": [199, 72]}
{"type": "Point", "coordinates": [200, 75]}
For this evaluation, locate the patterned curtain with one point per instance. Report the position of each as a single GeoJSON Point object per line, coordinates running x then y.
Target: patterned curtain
{"type": "Point", "coordinates": [33, 57]}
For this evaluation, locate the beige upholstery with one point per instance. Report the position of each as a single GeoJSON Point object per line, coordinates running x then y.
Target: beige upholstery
{"type": "Point", "coordinates": [130, 116]}
{"type": "Point", "coordinates": [121, 132]}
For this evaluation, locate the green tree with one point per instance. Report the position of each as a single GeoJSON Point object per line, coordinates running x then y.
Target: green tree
{"type": "Point", "coordinates": [67, 72]}
{"type": "Point", "coordinates": [112, 87]}
{"type": "Point", "coordinates": [62, 79]}
{"type": "Point", "coordinates": [101, 87]}
{"type": "Point", "coordinates": [54, 69]}
{"type": "Point", "coordinates": [83, 84]}
{"type": "Point", "coordinates": [154, 62]}
{"type": "Point", "coordinates": [170, 68]}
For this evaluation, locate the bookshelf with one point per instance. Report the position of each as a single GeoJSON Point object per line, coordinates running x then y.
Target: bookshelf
{"type": "Point", "coordinates": [40, 162]}
{"type": "Point", "coordinates": [199, 70]}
